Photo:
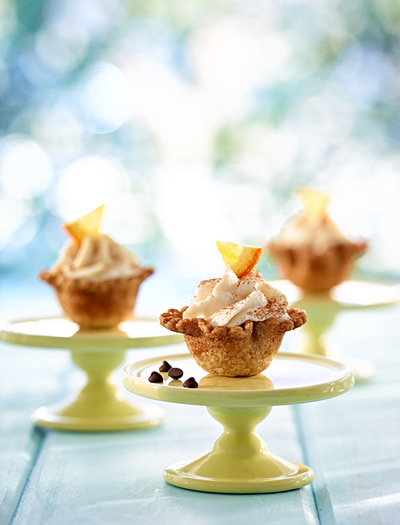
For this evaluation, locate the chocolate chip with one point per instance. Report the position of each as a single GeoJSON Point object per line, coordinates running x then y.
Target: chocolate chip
{"type": "Point", "coordinates": [165, 366]}
{"type": "Point", "coordinates": [155, 377]}
{"type": "Point", "coordinates": [175, 373]}
{"type": "Point", "coordinates": [190, 383]}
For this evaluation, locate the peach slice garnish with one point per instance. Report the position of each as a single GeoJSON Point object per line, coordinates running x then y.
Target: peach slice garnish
{"type": "Point", "coordinates": [88, 224]}
{"type": "Point", "coordinates": [315, 202]}
{"type": "Point", "coordinates": [241, 258]}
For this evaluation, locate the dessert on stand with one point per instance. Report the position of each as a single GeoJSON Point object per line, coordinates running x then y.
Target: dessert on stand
{"type": "Point", "coordinates": [235, 324]}
{"type": "Point", "coordinates": [233, 328]}
{"type": "Point", "coordinates": [315, 256]}
{"type": "Point", "coordinates": [240, 461]}
{"type": "Point", "coordinates": [96, 279]}
{"type": "Point", "coordinates": [97, 283]}
{"type": "Point", "coordinates": [311, 251]}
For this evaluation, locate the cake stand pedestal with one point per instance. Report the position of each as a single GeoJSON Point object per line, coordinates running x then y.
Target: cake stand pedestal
{"type": "Point", "coordinates": [323, 310]}
{"type": "Point", "coordinates": [240, 461]}
{"type": "Point", "coordinates": [100, 405]}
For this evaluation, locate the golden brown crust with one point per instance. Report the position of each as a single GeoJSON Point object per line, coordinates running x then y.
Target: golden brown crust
{"type": "Point", "coordinates": [173, 320]}
{"type": "Point", "coordinates": [317, 272]}
{"type": "Point", "coordinates": [96, 304]}
{"type": "Point", "coordinates": [244, 350]}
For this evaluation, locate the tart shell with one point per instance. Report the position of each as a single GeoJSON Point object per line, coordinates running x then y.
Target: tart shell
{"type": "Point", "coordinates": [316, 272]}
{"type": "Point", "coordinates": [96, 304]}
{"type": "Point", "coordinates": [239, 351]}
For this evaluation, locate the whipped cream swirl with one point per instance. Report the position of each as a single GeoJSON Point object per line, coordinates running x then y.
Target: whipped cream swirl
{"type": "Point", "coordinates": [230, 301]}
{"type": "Point", "coordinates": [96, 259]}
{"type": "Point", "coordinates": [307, 230]}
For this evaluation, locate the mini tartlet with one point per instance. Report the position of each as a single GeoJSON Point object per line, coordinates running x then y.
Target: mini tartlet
{"type": "Point", "coordinates": [96, 280]}
{"type": "Point", "coordinates": [311, 251]}
{"type": "Point", "coordinates": [234, 326]}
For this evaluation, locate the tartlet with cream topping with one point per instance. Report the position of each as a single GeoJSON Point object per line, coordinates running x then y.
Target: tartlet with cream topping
{"type": "Point", "coordinates": [96, 280]}
{"type": "Point", "coordinates": [311, 251]}
{"type": "Point", "coordinates": [234, 325]}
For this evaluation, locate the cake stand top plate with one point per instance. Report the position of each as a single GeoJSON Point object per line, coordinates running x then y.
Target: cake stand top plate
{"type": "Point", "coordinates": [60, 332]}
{"type": "Point", "coordinates": [290, 379]}
{"type": "Point", "coordinates": [347, 295]}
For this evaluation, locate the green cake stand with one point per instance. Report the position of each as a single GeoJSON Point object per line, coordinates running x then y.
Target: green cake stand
{"type": "Point", "coordinates": [239, 461]}
{"type": "Point", "coordinates": [100, 405]}
{"type": "Point", "coordinates": [323, 310]}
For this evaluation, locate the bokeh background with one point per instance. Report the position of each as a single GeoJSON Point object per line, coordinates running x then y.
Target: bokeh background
{"type": "Point", "coordinates": [196, 121]}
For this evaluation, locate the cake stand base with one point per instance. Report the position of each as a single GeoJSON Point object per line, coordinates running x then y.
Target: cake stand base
{"type": "Point", "coordinates": [97, 417]}
{"type": "Point", "coordinates": [239, 462]}
{"type": "Point", "coordinates": [288, 476]}
{"type": "Point", "coordinates": [100, 405]}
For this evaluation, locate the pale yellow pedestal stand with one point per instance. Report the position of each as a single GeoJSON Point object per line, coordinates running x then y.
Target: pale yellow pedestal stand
{"type": "Point", "coordinates": [323, 310]}
{"type": "Point", "coordinates": [239, 461]}
{"type": "Point", "coordinates": [100, 405]}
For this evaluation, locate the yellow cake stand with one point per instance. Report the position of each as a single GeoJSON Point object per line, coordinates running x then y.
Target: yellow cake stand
{"type": "Point", "coordinates": [323, 309]}
{"type": "Point", "coordinates": [100, 405]}
{"type": "Point", "coordinates": [239, 461]}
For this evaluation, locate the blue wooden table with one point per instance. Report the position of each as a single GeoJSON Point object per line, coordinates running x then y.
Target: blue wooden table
{"type": "Point", "coordinates": [352, 443]}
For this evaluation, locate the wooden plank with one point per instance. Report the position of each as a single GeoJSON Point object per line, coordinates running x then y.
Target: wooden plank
{"type": "Point", "coordinates": [29, 378]}
{"type": "Point", "coordinates": [352, 442]}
